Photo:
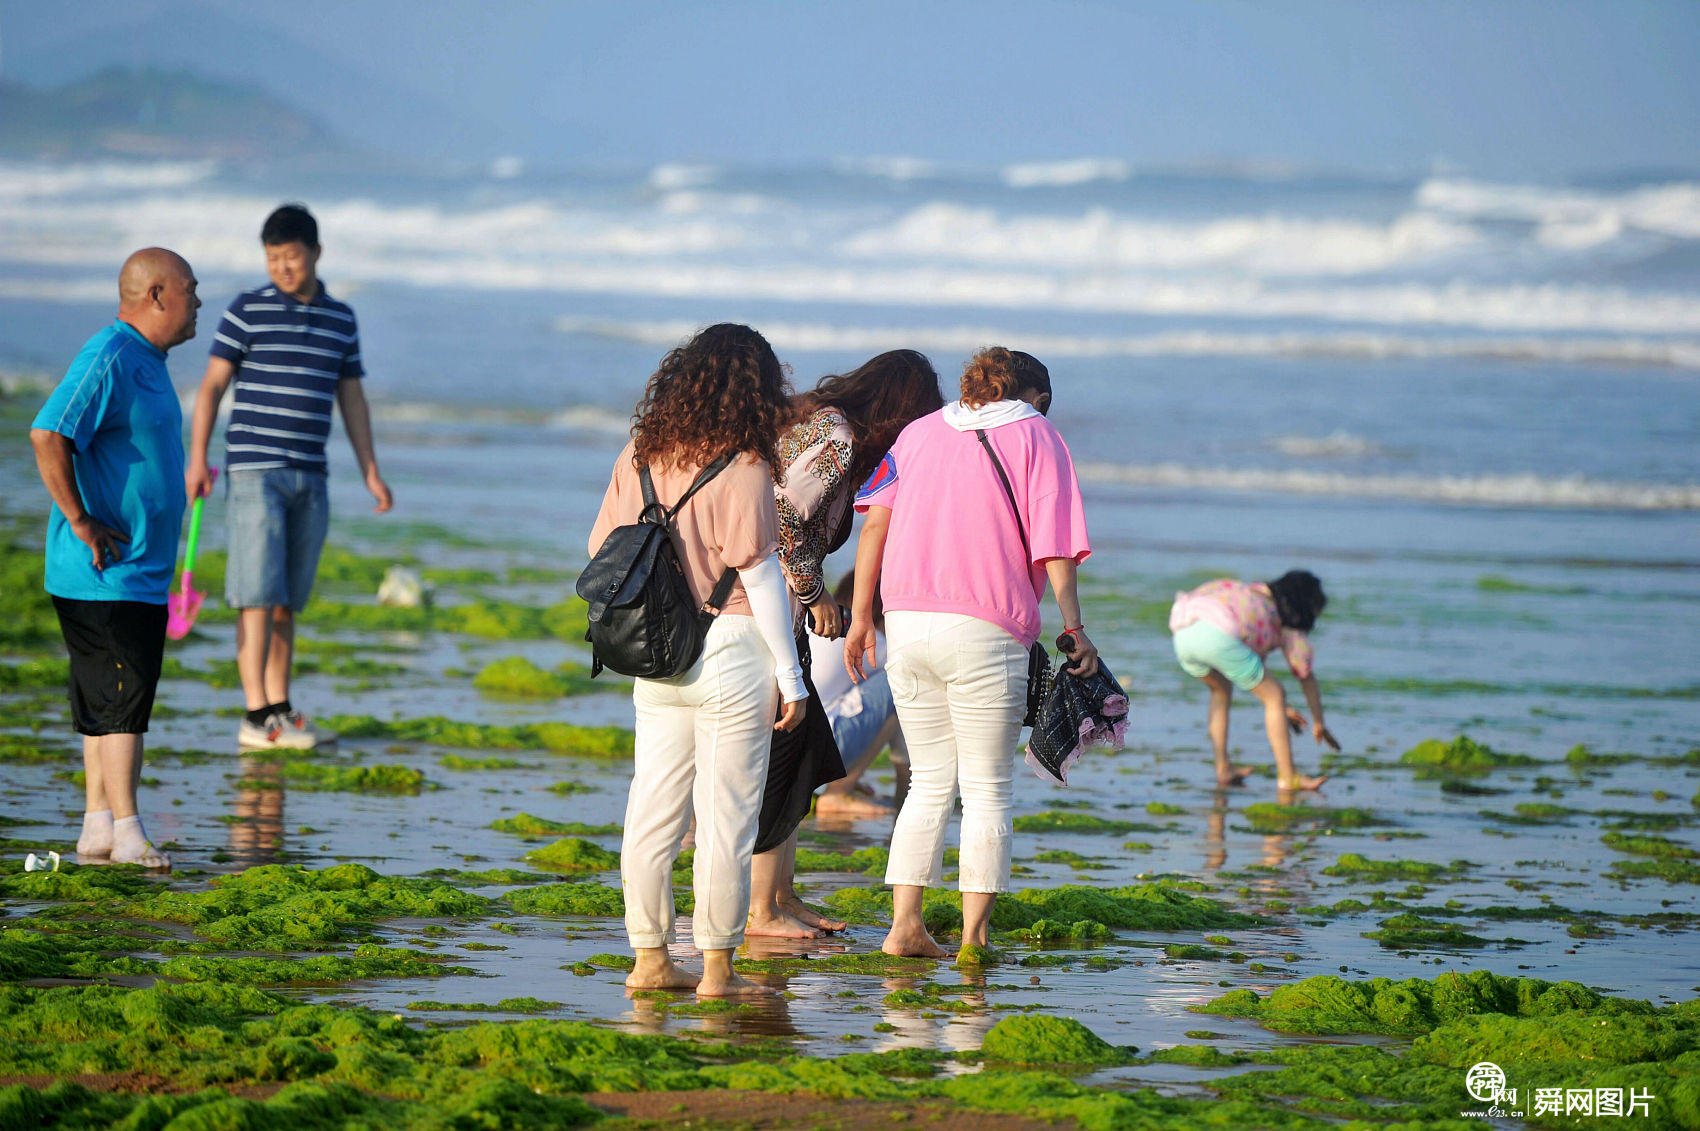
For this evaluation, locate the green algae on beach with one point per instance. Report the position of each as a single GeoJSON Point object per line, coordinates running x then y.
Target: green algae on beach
{"type": "Point", "coordinates": [1463, 755]}
{"type": "Point", "coordinates": [589, 899]}
{"type": "Point", "coordinates": [1327, 1005]}
{"type": "Point", "coordinates": [1054, 821]}
{"type": "Point", "coordinates": [343, 779]}
{"type": "Point", "coordinates": [1414, 932]}
{"type": "Point", "coordinates": [1356, 865]}
{"type": "Point", "coordinates": [524, 824]}
{"type": "Point", "coordinates": [571, 854]}
{"type": "Point", "coordinates": [555, 737]}
{"type": "Point", "coordinates": [517, 677]}
{"type": "Point", "coordinates": [1039, 1040]}
{"type": "Point", "coordinates": [1268, 816]}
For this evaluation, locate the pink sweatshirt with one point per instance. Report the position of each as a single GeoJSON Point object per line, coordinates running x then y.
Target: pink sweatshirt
{"type": "Point", "coordinates": [953, 546]}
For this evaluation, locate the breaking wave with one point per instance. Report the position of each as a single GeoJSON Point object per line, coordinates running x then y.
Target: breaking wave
{"type": "Point", "coordinates": [823, 337]}
{"type": "Point", "coordinates": [1566, 493]}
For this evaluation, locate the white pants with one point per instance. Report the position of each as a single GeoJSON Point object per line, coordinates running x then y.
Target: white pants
{"type": "Point", "coordinates": [960, 685]}
{"type": "Point", "coordinates": [702, 743]}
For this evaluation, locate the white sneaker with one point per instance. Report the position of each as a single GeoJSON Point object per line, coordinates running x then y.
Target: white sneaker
{"type": "Point", "coordinates": [296, 731]}
{"type": "Point", "coordinates": [261, 736]}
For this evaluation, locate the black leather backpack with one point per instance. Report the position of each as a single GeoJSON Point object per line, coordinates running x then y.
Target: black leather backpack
{"type": "Point", "coordinates": [643, 620]}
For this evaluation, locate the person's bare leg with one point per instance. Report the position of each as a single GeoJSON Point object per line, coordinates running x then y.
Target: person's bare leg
{"type": "Point", "coordinates": [253, 648]}
{"type": "Point", "coordinates": [908, 936]}
{"type": "Point", "coordinates": [976, 919]}
{"type": "Point", "coordinates": [280, 655]}
{"type": "Point", "coordinates": [1222, 698]}
{"type": "Point", "coordinates": [720, 980]}
{"type": "Point", "coordinates": [655, 970]}
{"type": "Point", "coordinates": [96, 837]}
{"type": "Point", "coordinates": [1280, 739]}
{"type": "Point", "coordinates": [792, 904]}
{"type": "Point", "coordinates": [120, 757]}
{"type": "Point", "coordinates": [770, 881]}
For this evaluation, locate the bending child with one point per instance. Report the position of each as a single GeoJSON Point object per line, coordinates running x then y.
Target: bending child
{"type": "Point", "coordinates": [1223, 630]}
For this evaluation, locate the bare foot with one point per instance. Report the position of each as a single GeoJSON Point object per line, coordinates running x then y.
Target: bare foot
{"type": "Point", "coordinates": [802, 911]}
{"type": "Point", "coordinates": [1304, 781]}
{"type": "Point", "coordinates": [661, 975]}
{"type": "Point", "coordinates": [779, 925]}
{"type": "Point", "coordinates": [146, 855]}
{"type": "Point", "coordinates": [911, 944]}
{"type": "Point", "coordinates": [1236, 776]}
{"type": "Point", "coordinates": [831, 804]}
{"type": "Point", "coordinates": [734, 986]}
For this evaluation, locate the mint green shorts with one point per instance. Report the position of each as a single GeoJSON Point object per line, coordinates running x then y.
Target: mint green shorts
{"type": "Point", "coordinates": [1202, 648]}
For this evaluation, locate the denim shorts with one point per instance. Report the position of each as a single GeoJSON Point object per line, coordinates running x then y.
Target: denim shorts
{"type": "Point", "coordinates": [278, 517]}
{"type": "Point", "coordinates": [1202, 648]}
{"type": "Point", "coordinates": [854, 732]}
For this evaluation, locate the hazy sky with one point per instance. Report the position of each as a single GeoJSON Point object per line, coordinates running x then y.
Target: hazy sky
{"type": "Point", "coordinates": [1500, 87]}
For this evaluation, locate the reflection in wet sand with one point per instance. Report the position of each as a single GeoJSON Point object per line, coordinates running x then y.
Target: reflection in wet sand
{"type": "Point", "coordinates": [256, 827]}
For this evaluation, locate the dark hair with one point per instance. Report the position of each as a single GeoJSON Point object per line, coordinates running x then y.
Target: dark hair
{"type": "Point", "coordinates": [997, 374]}
{"type": "Point", "coordinates": [879, 398]}
{"type": "Point", "coordinates": [290, 223]}
{"type": "Point", "coordinates": [721, 393]}
{"type": "Point", "coordinates": [1299, 599]}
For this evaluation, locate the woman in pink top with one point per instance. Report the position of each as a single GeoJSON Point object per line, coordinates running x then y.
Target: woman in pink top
{"type": "Point", "coordinates": [960, 571]}
{"type": "Point", "coordinates": [1223, 630]}
{"type": "Point", "coordinates": [702, 738]}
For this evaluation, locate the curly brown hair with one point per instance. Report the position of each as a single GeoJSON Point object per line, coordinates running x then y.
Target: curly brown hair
{"type": "Point", "coordinates": [879, 398]}
{"type": "Point", "coordinates": [721, 393]}
{"type": "Point", "coordinates": [997, 374]}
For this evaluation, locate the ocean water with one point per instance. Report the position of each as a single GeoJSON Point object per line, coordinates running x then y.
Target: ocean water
{"type": "Point", "coordinates": [1471, 408]}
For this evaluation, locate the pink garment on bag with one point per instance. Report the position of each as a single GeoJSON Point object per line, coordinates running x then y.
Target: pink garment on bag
{"type": "Point", "coordinates": [1245, 611]}
{"type": "Point", "coordinates": [953, 545]}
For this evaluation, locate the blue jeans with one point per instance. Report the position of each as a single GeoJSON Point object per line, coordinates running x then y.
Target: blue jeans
{"type": "Point", "coordinates": [854, 732]}
{"type": "Point", "coordinates": [278, 517]}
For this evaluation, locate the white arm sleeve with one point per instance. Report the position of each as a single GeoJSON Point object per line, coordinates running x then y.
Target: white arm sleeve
{"type": "Point", "coordinates": [770, 601]}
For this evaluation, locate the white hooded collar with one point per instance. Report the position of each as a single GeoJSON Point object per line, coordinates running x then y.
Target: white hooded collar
{"type": "Point", "coordinates": [964, 419]}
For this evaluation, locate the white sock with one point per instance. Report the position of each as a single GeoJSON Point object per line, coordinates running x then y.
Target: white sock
{"type": "Point", "coordinates": [130, 845]}
{"type": "Point", "coordinates": [97, 834]}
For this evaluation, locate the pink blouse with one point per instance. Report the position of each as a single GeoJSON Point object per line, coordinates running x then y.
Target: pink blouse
{"type": "Point", "coordinates": [1245, 611]}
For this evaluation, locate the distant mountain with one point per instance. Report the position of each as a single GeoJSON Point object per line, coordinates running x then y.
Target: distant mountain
{"type": "Point", "coordinates": [155, 113]}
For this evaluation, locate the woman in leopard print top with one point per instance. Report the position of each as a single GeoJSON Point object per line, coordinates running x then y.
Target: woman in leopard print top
{"type": "Point", "coordinates": [839, 433]}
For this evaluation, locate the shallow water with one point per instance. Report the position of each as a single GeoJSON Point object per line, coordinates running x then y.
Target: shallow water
{"type": "Point", "coordinates": [1416, 646]}
{"type": "Point", "coordinates": [1509, 546]}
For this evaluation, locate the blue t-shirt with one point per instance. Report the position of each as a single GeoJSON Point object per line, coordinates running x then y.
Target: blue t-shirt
{"type": "Point", "coordinates": [289, 357]}
{"type": "Point", "coordinates": [121, 414]}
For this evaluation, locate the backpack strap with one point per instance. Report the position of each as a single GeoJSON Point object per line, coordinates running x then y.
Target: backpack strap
{"type": "Point", "coordinates": [722, 588]}
{"type": "Point", "coordinates": [702, 480]}
{"type": "Point", "coordinates": [1009, 492]}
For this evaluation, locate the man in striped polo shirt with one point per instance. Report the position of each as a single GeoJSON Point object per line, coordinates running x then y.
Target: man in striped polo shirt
{"type": "Point", "coordinates": [292, 352]}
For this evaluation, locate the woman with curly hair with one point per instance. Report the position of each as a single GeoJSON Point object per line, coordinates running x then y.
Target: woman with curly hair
{"type": "Point", "coordinates": [969, 515]}
{"type": "Point", "coordinates": [838, 434]}
{"type": "Point", "coordinates": [702, 738]}
{"type": "Point", "coordinates": [1223, 630]}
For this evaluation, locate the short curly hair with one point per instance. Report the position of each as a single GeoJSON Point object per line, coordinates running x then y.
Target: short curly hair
{"type": "Point", "coordinates": [721, 393]}
{"type": "Point", "coordinates": [997, 374]}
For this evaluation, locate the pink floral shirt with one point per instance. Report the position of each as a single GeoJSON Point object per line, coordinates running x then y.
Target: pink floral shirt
{"type": "Point", "coordinates": [1245, 611]}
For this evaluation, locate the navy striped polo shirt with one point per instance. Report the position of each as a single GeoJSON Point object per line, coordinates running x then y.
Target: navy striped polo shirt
{"type": "Point", "coordinates": [289, 357]}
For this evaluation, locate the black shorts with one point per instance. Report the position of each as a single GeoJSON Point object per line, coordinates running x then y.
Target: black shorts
{"type": "Point", "coordinates": [116, 649]}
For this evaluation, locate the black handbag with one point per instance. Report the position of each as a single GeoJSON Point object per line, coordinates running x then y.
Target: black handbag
{"type": "Point", "coordinates": [643, 620]}
{"type": "Point", "coordinates": [1039, 674]}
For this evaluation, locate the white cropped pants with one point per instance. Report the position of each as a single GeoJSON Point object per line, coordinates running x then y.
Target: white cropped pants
{"type": "Point", "coordinates": [960, 685]}
{"type": "Point", "coordinates": [702, 744]}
